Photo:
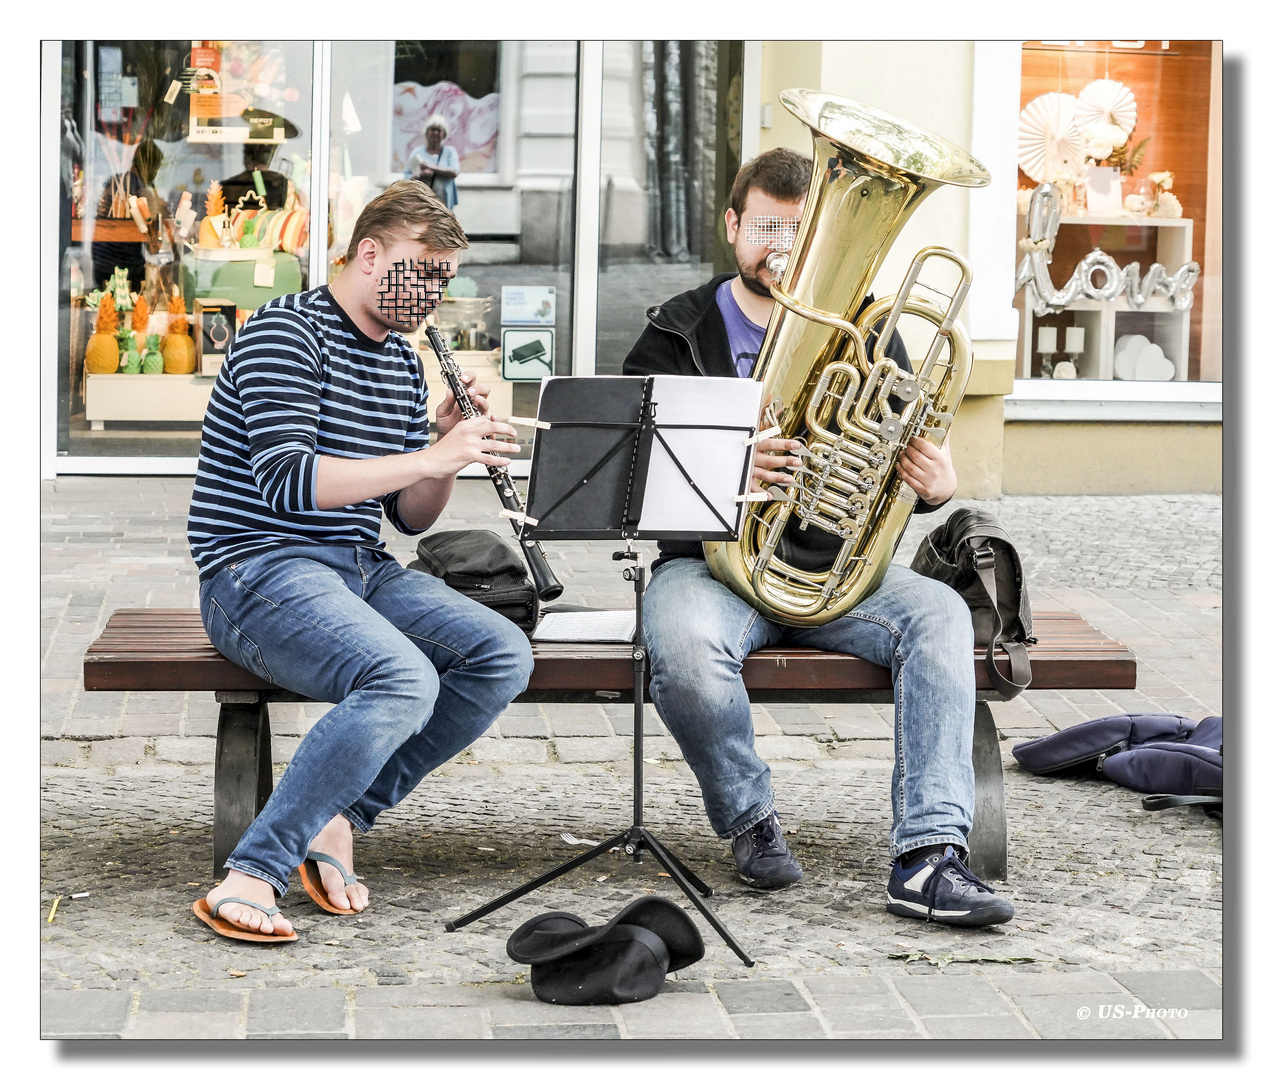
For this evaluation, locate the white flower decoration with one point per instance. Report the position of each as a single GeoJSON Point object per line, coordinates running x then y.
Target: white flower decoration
{"type": "Point", "coordinates": [1168, 206]}
{"type": "Point", "coordinates": [1134, 204]}
{"type": "Point", "coordinates": [1162, 180]}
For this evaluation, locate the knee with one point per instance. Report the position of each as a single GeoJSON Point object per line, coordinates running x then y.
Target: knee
{"type": "Point", "coordinates": [694, 666]}
{"type": "Point", "coordinates": [942, 613]}
{"type": "Point", "coordinates": [504, 653]}
{"type": "Point", "coordinates": [408, 679]}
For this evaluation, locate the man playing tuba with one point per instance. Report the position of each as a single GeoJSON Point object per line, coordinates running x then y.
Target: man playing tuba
{"type": "Point", "coordinates": [698, 632]}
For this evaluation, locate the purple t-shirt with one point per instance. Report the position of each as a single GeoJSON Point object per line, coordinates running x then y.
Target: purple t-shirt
{"type": "Point", "coordinates": [745, 337]}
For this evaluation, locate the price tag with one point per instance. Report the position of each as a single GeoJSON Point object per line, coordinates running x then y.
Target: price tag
{"type": "Point", "coordinates": [264, 275]}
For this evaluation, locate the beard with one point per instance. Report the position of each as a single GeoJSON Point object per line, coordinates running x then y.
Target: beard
{"type": "Point", "coordinates": [749, 275]}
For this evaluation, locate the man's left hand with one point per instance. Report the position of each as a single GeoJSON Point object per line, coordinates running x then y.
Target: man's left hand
{"type": "Point", "coordinates": [447, 415]}
{"type": "Point", "coordinates": [927, 469]}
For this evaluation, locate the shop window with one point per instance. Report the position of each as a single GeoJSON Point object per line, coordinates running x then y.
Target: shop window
{"type": "Point", "coordinates": [670, 149]}
{"type": "Point", "coordinates": [510, 113]}
{"type": "Point", "coordinates": [457, 80]}
{"type": "Point", "coordinates": [1124, 131]}
{"type": "Point", "coordinates": [185, 182]}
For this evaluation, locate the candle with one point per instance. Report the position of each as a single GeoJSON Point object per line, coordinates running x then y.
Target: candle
{"type": "Point", "coordinates": [1074, 339]}
{"type": "Point", "coordinates": [1047, 339]}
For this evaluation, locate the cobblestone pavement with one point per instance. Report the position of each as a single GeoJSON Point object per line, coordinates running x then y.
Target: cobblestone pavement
{"type": "Point", "coordinates": [1116, 906]}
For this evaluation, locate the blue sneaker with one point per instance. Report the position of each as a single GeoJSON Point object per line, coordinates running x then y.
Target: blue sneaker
{"type": "Point", "coordinates": [763, 858]}
{"type": "Point", "coordinates": [941, 888]}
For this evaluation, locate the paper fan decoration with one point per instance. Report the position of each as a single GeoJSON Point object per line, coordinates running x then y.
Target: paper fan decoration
{"type": "Point", "coordinates": [1107, 102]}
{"type": "Point", "coordinates": [1049, 139]}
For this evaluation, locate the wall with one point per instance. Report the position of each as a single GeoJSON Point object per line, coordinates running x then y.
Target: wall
{"type": "Point", "coordinates": [1042, 458]}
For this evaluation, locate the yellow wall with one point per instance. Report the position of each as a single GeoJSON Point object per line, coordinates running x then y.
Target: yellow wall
{"type": "Point", "coordinates": [1112, 458]}
{"type": "Point", "coordinates": [787, 65]}
{"type": "Point", "coordinates": [977, 446]}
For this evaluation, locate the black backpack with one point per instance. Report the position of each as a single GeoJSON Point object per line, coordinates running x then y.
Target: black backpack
{"type": "Point", "coordinates": [973, 554]}
{"type": "Point", "coordinates": [484, 567]}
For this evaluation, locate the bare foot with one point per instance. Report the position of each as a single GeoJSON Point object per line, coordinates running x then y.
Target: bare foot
{"type": "Point", "coordinates": [248, 918]}
{"type": "Point", "coordinates": [335, 839]}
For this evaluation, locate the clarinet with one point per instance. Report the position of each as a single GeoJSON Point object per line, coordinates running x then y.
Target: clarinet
{"type": "Point", "coordinates": [546, 583]}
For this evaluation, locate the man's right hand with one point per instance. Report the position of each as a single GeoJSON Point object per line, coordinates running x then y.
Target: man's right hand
{"type": "Point", "coordinates": [770, 457]}
{"type": "Point", "coordinates": [467, 443]}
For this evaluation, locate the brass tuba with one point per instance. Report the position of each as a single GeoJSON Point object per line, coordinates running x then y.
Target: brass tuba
{"type": "Point", "coordinates": [871, 172]}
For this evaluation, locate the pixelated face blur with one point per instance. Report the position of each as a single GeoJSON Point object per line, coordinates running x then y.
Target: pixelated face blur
{"type": "Point", "coordinates": [413, 287]}
{"type": "Point", "coordinates": [766, 225]}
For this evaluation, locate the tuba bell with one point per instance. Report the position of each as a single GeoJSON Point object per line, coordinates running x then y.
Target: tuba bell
{"type": "Point", "coordinates": [820, 545]}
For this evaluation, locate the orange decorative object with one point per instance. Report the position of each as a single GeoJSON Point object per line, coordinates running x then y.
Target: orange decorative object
{"type": "Point", "coordinates": [106, 315]}
{"type": "Point", "coordinates": [178, 355]}
{"type": "Point", "coordinates": [140, 317]}
{"type": "Point", "coordinates": [178, 320]}
{"type": "Point", "coordinates": [101, 355]}
{"type": "Point", "coordinates": [214, 199]}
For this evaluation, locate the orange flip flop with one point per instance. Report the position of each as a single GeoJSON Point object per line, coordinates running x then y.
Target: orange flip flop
{"type": "Point", "coordinates": [309, 873]}
{"type": "Point", "coordinates": [210, 916]}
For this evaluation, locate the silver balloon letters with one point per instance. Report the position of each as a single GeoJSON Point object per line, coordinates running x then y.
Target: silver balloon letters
{"type": "Point", "coordinates": [1042, 220]}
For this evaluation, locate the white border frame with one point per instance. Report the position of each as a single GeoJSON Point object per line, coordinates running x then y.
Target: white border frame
{"type": "Point", "coordinates": [49, 256]}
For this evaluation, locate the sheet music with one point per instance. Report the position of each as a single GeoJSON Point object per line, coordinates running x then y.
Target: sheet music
{"type": "Point", "coordinates": [586, 626]}
{"type": "Point", "coordinates": [715, 460]}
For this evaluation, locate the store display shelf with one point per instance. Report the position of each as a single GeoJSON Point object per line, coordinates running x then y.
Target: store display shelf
{"type": "Point", "coordinates": [1105, 321]}
{"type": "Point", "coordinates": [146, 397]}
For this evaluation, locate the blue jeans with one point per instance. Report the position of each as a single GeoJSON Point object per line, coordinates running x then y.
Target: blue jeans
{"type": "Point", "coordinates": [699, 632]}
{"type": "Point", "coordinates": [416, 671]}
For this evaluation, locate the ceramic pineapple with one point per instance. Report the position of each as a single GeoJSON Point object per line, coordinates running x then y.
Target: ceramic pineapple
{"type": "Point", "coordinates": [178, 354]}
{"type": "Point", "coordinates": [151, 362]}
{"type": "Point", "coordinates": [130, 352]}
{"type": "Point", "coordinates": [101, 355]}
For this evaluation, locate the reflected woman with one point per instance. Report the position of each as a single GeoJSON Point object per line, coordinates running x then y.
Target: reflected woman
{"type": "Point", "coordinates": [436, 163]}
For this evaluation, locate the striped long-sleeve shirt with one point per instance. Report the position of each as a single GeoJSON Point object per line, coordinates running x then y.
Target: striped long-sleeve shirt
{"type": "Point", "coordinates": [300, 380]}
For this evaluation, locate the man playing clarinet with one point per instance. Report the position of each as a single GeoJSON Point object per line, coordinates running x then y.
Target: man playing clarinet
{"type": "Point", "coordinates": [317, 426]}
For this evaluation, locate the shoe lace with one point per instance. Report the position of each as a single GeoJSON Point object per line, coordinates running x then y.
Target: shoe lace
{"type": "Point", "coordinates": [959, 873]}
{"type": "Point", "coordinates": [766, 838]}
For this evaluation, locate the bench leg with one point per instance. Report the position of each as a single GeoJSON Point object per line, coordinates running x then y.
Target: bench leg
{"type": "Point", "coordinates": [988, 839]}
{"type": "Point", "coordinates": [243, 772]}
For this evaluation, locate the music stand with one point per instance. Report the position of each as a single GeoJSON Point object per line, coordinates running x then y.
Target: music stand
{"type": "Point", "coordinates": [643, 435]}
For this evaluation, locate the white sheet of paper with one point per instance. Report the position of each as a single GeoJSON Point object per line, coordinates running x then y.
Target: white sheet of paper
{"type": "Point", "coordinates": [586, 626]}
{"type": "Point", "coordinates": [716, 460]}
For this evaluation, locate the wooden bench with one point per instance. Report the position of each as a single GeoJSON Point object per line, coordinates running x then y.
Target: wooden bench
{"type": "Point", "coordinates": [156, 649]}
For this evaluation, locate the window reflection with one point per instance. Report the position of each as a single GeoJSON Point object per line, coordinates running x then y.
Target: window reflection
{"type": "Point", "coordinates": [155, 136]}
{"type": "Point", "coordinates": [670, 149]}
{"type": "Point", "coordinates": [508, 114]}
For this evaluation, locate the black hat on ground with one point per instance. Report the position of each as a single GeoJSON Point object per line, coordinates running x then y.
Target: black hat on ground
{"type": "Point", "coordinates": [625, 960]}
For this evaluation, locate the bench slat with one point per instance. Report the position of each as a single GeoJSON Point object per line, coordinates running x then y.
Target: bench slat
{"type": "Point", "coordinates": [167, 649]}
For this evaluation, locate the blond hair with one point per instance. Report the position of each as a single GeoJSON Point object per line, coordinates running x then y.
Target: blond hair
{"type": "Point", "coordinates": [408, 210]}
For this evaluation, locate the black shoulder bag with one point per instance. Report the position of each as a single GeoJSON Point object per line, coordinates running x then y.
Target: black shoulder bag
{"type": "Point", "coordinates": [973, 554]}
{"type": "Point", "coordinates": [483, 566]}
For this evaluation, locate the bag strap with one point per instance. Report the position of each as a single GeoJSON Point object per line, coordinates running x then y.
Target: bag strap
{"type": "Point", "coordinates": [984, 565]}
{"type": "Point", "coordinates": [1165, 802]}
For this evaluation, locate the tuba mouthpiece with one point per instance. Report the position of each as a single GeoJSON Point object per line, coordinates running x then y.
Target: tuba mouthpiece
{"type": "Point", "coordinates": [776, 263]}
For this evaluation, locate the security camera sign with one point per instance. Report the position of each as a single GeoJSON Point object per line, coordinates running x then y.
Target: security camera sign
{"type": "Point", "coordinates": [526, 355]}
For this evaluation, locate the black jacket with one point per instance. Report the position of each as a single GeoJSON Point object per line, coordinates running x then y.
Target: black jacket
{"type": "Point", "coordinates": [686, 336]}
